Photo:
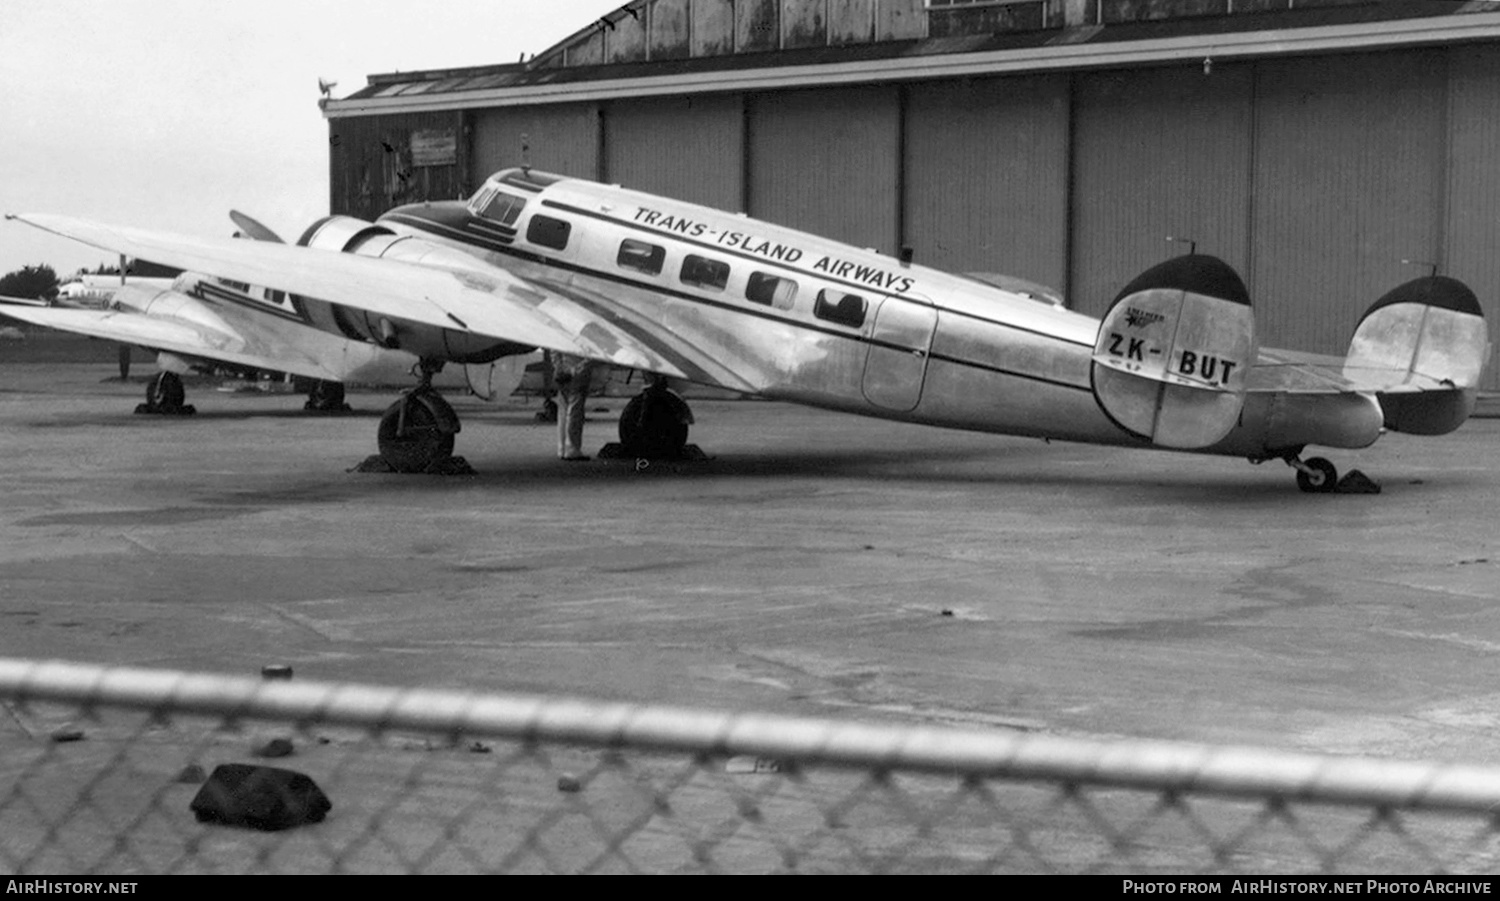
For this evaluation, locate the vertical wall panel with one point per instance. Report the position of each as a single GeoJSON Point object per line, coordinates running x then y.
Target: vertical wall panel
{"type": "Point", "coordinates": [987, 175]}
{"type": "Point", "coordinates": [804, 23]}
{"type": "Point", "coordinates": [562, 138]}
{"type": "Point", "coordinates": [372, 168]}
{"type": "Point", "coordinates": [1348, 181]}
{"type": "Point", "coordinates": [851, 21]}
{"type": "Point", "coordinates": [757, 25]}
{"type": "Point", "coordinates": [1473, 210]}
{"type": "Point", "coordinates": [626, 41]}
{"type": "Point", "coordinates": [827, 161]}
{"type": "Point", "coordinates": [713, 27]}
{"type": "Point", "coordinates": [689, 148]}
{"type": "Point", "coordinates": [1157, 152]}
{"type": "Point", "coordinates": [670, 32]}
{"type": "Point", "coordinates": [586, 52]}
{"type": "Point", "coordinates": [899, 20]}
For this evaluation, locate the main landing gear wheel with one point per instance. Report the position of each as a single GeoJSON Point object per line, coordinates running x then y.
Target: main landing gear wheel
{"type": "Point", "coordinates": [654, 425]}
{"type": "Point", "coordinates": [165, 394]}
{"type": "Point", "coordinates": [413, 436]}
{"type": "Point", "coordinates": [1316, 475]}
{"type": "Point", "coordinates": [326, 397]}
{"type": "Point", "coordinates": [165, 390]}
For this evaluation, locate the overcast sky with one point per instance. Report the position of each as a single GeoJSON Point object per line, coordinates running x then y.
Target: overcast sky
{"type": "Point", "coordinates": [168, 113]}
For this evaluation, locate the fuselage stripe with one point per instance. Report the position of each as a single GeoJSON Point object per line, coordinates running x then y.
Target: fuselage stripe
{"type": "Point", "coordinates": [818, 276]}
{"type": "Point", "coordinates": [457, 234]}
{"type": "Point", "coordinates": [211, 291]}
{"type": "Point", "coordinates": [465, 237]}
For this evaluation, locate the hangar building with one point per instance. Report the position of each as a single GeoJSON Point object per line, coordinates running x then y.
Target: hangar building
{"type": "Point", "coordinates": [1327, 149]}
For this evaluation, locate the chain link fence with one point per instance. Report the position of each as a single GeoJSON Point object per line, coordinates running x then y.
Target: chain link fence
{"type": "Point", "coordinates": [106, 771]}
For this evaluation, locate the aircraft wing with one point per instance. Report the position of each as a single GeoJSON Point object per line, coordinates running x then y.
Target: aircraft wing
{"type": "Point", "coordinates": [490, 302]}
{"type": "Point", "coordinates": [182, 338]}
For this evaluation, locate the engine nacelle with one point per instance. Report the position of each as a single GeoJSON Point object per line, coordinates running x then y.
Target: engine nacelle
{"type": "Point", "coordinates": [1173, 352]}
{"type": "Point", "coordinates": [346, 234]}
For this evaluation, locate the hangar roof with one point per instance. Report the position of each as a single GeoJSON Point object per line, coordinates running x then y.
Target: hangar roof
{"type": "Point", "coordinates": [562, 74]}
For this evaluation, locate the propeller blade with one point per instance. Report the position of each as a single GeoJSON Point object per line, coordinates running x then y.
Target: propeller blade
{"type": "Point", "coordinates": [252, 229]}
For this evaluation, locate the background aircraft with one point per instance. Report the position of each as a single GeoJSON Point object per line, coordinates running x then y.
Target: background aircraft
{"type": "Point", "coordinates": [194, 322]}
{"type": "Point", "coordinates": [680, 290]}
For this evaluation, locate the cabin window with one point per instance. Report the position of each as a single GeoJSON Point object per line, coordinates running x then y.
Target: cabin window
{"type": "Point", "coordinates": [641, 256]}
{"type": "Point", "coordinates": [549, 232]}
{"type": "Point", "coordinates": [771, 290]}
{"type": "Point", "coordinates": [504, 208]}
{"type": "Point", "coordinates": [705, 273]}
{"type": "Point", "coordinates": [837, 306]}
{"type": "Point", "coordinates": [480, 198]}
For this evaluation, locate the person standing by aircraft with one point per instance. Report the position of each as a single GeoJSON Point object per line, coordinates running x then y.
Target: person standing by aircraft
{"type": "Point", "coordinates": [572, 375]}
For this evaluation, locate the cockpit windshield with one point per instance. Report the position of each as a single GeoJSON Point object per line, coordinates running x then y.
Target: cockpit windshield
{"type": "Point", "coordinates": [497, 205]}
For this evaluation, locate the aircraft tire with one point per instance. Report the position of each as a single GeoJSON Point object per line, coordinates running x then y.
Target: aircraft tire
{"type": "Point", "coordinates": [165, 391]}
{"type": "Point", "coordinates": [1323, 481]}
{"type": "Point", "coordinates": [424, 444]}
{"type": "Point", "coordinates": [325, 396]}
{"type": "Point", "coordinates": [654, 425]}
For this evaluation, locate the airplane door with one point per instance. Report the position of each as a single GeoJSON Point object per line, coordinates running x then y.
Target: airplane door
{"type": "Point", "coordinates": [897, 362]}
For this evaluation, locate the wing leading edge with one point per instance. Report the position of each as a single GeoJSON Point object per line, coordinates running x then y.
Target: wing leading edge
{"type": "Point", "coordinates": [489, 302]}
{"type": "Point", "coordinates": [313, 355]}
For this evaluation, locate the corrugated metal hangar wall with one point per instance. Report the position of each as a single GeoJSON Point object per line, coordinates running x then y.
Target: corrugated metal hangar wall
{"type": "Point", "coordinates": [1314, 176]}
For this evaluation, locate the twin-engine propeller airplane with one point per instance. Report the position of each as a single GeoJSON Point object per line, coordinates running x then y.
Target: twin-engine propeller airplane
{"type": "Point", "coordinates": [197, 322]}
{"type": "Point", "coordinates": [689, 292]}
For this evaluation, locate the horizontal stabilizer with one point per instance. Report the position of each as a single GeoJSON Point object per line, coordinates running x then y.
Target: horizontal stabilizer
{"type": "Point", "coordinates": [1173, 353]}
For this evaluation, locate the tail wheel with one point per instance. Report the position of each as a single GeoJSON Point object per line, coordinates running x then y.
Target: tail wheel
{"type": "Point", "coordinates": [165, 391]}
{"type": "Point", "coordinates": [1320, 477]}
{"type": "Point", "coordinates": [411, 438]}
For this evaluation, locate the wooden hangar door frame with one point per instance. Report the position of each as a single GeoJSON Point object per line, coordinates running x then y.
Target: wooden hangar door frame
{"type": "Point", "coordinates": [1157, 153]}
{"type": "Point", "coordinates": [374, 164]}
{"type": "Point", "coordinates": [1314, 177]}
{"type": "Point", "coordinates": [1472, 218]}
{"type": "Point", "coordinates": [562, 138]}
{"type": "Point", "coordinates": [827, 161]}
{"type": "Point", "coordinates": [986, 175]}
{"type": "Point", "coordinates": [1349, 181]}
{"type": "Point", "coordinates": [685, 147]}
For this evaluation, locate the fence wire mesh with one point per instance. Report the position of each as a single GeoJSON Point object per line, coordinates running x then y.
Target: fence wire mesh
{"type": "Point", "coordinates": [102, 768]}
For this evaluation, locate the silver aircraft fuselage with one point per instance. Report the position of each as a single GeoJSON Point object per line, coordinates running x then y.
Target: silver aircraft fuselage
{"type": "Point", "coordinates": [787, 315]}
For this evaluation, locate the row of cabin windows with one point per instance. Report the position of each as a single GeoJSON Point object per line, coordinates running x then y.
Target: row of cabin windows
{"type": "Point", "coordinates": [762, 287]}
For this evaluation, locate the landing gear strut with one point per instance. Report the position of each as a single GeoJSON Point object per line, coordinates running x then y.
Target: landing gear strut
{"type": "Point", "coordinates": [416, 432]}
{"type": "Point", "coordinates": [1314, 476]}
{"type": "Point", "coordinates": [1318, 476]}
{"type": "Point", "coordinates": [165, 396]}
